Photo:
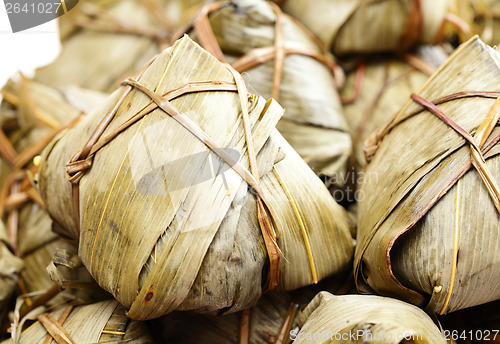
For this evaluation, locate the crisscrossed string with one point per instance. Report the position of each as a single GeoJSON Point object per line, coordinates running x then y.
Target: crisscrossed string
{"type": "Point", "coordinates": [372, 143]}
{"type": "Point", "coordinates": [82, 160]}
{"type": "Point", "coordinates": [258, 56]}
{"type": "Point", "coordinates": [479, 145]}
{"type": "Point", "coordinates": [476, 142]}
{"type": "Point", "coordinates": [276, 52]}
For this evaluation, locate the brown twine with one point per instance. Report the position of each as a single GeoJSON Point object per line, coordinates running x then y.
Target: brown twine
{"type": "Point", "coordinates": [477, 142]}
{"type": "Point", "coordinates": [47, 320]}
{"type": "Point", "coordinates": [372, 106]}
{"type": "Point", "coordinates": [372, 143]}
{"type": "Point", "coordinates": [204, 30]}
{"type": "Point", "coordinates": [82, 160]}
{"type": "Point", "coordinates": [266, 226]}
{"type": "Point", "coordinates": [481, 138]}
{"type": "Point", "coordinates": [461, 25]}
{"type": "Point", "coordinates": [279, 44]}
{"type": "Point", "coordinates": [418, 63]}
{"type": "Point", "coordinates": [286, 324]}
{"type": "Point", "coordinates": [412, 59]}
{"type": "Point", "coordinates": [414, 26]}
{"type": "Point", "coordinates": [244, 334]}
{"type": "Point", "coordinates": [360, 74]}
{"type": "Point", "coordinates": [258, 56]}
{"type": "Point", "coordinates": [157, 13]}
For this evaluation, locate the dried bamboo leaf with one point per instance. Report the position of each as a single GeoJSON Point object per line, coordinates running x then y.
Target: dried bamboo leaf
{"type": "Point", "coordinates": [3, 233]}
{"type": "Point", "coordinates": [5, 171]}
{"type": "Point", "coordinates": [418, 237]}
{"type": "Point", "coordinates": [50, 109]}
{"type": "Point", "coordinates": [366, 26]}
{"type": "Point", "coordinates": [10, 269]}
{"type": "Point", "coordinates": [183, 237]}
{"type": "Point", "coordinates": [117, 36]}
{"type": "Point", "coordinates": [20, 319]}
{"type": "Point", "coordinates": [301, 182]}
{"type": "Point", "coordinates": [271, 320]}
{"type": "Point", "coordinates": [365, 319]}
{"type": "Point", "coordinates": [103, 322]}
{"type": "Point", "coordinates": [190, 328]}
{"type": "Point", "coordinates": [37, 244]}
{"type": "Point", "coordinates": [484, 16]}
{"type": "Point", "coordinates": [30, 115]}
{"type": "Point", "coordinates": [313, 123]}
{"type": "Point", "coordinates": [384, 87]}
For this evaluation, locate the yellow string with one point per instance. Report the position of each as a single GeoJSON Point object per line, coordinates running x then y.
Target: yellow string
{"type": "Point", "coordinates": [110, 193]}
{"type": "Point", "coordinates": [301, 224]}
{"type": "Point", "coordinates": [63, 3]}
{"type": "Point", "coordinates": [171, 58]}
{"type": "Point", "coordinates": [118, 333]}
{"type": "Point", "coordinates": [455, 250]}
{"type": "Point", "coordinates": [38, 115]}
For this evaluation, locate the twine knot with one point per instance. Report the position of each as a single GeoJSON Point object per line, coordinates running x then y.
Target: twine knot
{"type": "Point", "coordinates": [77, 167]}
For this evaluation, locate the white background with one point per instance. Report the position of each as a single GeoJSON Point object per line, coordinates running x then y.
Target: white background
{"type": "Point", "coordinates": [26, 50]}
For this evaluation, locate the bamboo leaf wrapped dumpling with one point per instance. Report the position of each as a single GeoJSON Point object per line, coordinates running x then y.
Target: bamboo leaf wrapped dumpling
{"type": "Point", "coordinates": [485, 14]}
{"type": "Point", "coordinates": [376, 89]}
{"type": "Point", "coordinates": [31, 114]}
{"type": "Point", "coordinates": [102, 322]}
{"type": "Point", "coordinates": [269, 321]}
{"type": "Point", "coordinates": [157, 227]}
{"type": "Point", "coordinates": [365, 319]}
{"type": "Point", "coordinates": [117, 36]}
{"type": "Point", "coordinates": [10, 269]}
{"type": "Point", "coordinates": [428, 226]}
{"type": "Point", "coordinates": [280, 58]}
{"type": "Point", "coordinates": [264, 320]}
{"type": "Point", "coordinates": [368, 26]}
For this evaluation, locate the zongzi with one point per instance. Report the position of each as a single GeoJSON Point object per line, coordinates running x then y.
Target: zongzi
{"type": "Point", "coordinates": [280, 58]}
{"type": "Point", "coordinates": [270, 321]}
{"type": "Point", "coordinates": [365, 319]}
{"type": "Point", "coordinates": [102, 322]}
{"type": "Point", "coordinates": [10, 269]}
{"type": "Point", "coordinates": [167, 212]}
{"type": "Point", "coordinates": [31, 114]}
{"type": "Point", "coordinates": [374, 91]}
{"type": "Point", "coordinates": [428, 226]}
{"type": "Point", "coordinates": [104, 41]}
{"type": "Point", "coordinates": [368, 26]}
